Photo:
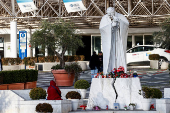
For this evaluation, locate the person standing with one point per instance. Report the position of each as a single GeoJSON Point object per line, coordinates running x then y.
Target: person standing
{"type": "Point", "coordinates": [100, 61]}
{"type": "Point", "coordinates": [94, 64]}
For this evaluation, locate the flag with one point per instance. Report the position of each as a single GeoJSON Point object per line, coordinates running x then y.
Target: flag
{"type": "Point", "coordinates": [74, 5]}
{"type": "Point", "coordinates": [26, 5]}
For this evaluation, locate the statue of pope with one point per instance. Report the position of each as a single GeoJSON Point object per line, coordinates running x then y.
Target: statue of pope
{"type": "Point", "coordinates": [114, 32]}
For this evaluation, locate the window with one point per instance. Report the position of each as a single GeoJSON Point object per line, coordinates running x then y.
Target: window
{"type": "Point", "coordinates": [148, 40]}
{"type": "Point", "coordinates": [129, 42]}
{"type": "Point", "coordinates": [147, 48]}
{"type": "Point", "coordinates": [137, 49]}
{"type": "Point", "coordinates": [139, 40]}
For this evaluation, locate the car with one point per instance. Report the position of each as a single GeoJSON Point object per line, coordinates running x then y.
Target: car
{"type": "Point", "coordinates": [139, 55]}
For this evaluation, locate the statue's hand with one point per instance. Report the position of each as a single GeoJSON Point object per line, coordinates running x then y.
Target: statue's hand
{"type": "Point", "coordinates": [115, 19]}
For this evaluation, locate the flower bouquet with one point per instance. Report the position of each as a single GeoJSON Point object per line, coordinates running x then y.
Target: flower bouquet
{"type": "Point", "coordinates": [96, 108]}
{"type": "Point", "coordinates": [125, 107]}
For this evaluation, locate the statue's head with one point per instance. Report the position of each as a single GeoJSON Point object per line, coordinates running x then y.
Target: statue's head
{"type": "Point", "coordinates": [111, 11]}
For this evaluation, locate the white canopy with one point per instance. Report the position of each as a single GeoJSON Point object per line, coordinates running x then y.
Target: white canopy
{"type": "Point", "coordinates": [114, 42]}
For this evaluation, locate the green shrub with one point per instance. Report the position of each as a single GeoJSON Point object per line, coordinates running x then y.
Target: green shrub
{"type": "Point", "coordinates": [49, 59]}
{"type": "Point", "coordinates": [73, 95]}
{"type": "Point", "coordinates": [56, 67]}
{"type": "Point", "coordinates": [44, 107]}
{"type": "Point", "coordinates": [17, 61]}
{"type": "Point", "coordinates": [157, 93]}
{"type": "Point", "coordinates": [81, 84]}
{"type": "Point", "coordinates": [154, 57]}
{"type": "Point", "coordinates": [37, 93]}
{"type": "Point", "coordinates": [5, 61]}
{"type": "Point", "coordinates": [19, 76]}
{"type": "Point", "coordinates": [151, 92]}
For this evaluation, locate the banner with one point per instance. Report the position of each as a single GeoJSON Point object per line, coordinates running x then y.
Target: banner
{"type": "Point", "coordinates": [22, 44]}
{"type": "Point", "coordinates": [26, 5]}
{"type": "Point", "coordinates": [74, 5]}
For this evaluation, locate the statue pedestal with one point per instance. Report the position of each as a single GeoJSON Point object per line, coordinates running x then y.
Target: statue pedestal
{"type": "Point", "coordinates": [102, 92]}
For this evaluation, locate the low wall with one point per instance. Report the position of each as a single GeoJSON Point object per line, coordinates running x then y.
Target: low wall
{"type": "Point", "coordinates": [11, 102]}
{"type": "Point", "coordinates": [45, 66]}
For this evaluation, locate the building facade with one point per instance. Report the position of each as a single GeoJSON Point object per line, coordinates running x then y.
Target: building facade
{"type": "Point", "coordinates": [144, 17]}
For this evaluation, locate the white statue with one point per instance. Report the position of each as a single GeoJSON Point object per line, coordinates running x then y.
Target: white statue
{"type": "Point", "coordinates": [114, 32]}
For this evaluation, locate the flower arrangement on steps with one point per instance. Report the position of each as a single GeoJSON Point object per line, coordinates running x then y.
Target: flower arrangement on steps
{"type": "Point", "coordinates": [44, 108]}
{"type": "Point", "coordinates": [82, 85]}
{"type": "Point", "coordinates": [37, 93]}
{"type": "Point", "coordinates": [74, 97]}
{"type": "Point", "coordinates": [148, 94]}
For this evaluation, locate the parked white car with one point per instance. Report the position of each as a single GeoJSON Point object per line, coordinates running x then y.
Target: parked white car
{"type": "Point", "coordinates": [140, 54]}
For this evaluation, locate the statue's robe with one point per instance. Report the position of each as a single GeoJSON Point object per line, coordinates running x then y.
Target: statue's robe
{"type": "Point", "coordinates": [114, 42]}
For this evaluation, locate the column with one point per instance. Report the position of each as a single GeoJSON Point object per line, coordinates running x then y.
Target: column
{"type": "Point", "coordinates": [46, 51]}
{"type": "Point", "coordinates": [29, 52]}
{"type": "Point", "coordinates": [129, 6]}
{"type": "Point", "coordinates": [133, 40]}
{"type": "Point", "coordinates": [13, 39]}
{"type": "Point", "coordinates": [33, 52]}
{"type": "Point", "coordinates": [143, 39]}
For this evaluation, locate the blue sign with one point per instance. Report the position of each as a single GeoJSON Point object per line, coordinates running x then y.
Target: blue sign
{"type": "Point", "coordinates": [70, 1]}
{"type": "Point", "coordinates": [23, 1]}
{"type": "Point", "coordinates": [22, 44]}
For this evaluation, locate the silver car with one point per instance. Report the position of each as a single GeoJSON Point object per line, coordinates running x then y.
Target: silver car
{"type": "Point", "coordinates": [139, 55]}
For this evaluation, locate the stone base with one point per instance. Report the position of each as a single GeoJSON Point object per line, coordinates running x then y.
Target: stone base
{"type": "Point", "coordinates": [102, 92]}
{"type": "Point", "coordinates": [112, 111]}
{"type": "Point", "coordinates": [163, 105]}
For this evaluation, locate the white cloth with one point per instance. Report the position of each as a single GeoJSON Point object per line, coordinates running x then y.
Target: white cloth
{"type": "Point", "coordinates": [114, 42]}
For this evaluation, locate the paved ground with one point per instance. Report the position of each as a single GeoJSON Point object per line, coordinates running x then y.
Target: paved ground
{"type": "Point", "coordinates": [149, 77]}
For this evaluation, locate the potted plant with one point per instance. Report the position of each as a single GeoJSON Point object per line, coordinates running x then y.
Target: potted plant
{"type": "Point", "coordinates": [154, 59]}
{"type": "Point", "coordinates": [74, 97]}
{"type": "Point", "coordinates": [37, 93]}
{"type": "Point", "coordinates": [148, 95]}
{"type": "Point", "coordinates": [82, 85]}
{"type": "Point", "coordinates": [58, 37]}
{"type": "Point", "coordinates": [65, 76]}
{"type": "Point", "coordinates": [132, 106]}
{"type": "Point", "coordinates": [44, 108]}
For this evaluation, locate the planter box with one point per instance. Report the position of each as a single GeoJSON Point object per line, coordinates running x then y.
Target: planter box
{"type": "Point", "coordinates": [30, 85]}
{"type": "Point", "coordinates": [164, 65]}
{"type": "Point", "coordinates": [4, 87]}
{"type": "Point", "coordinates": [154, 64]}
{"type": "Point", "coordinates": [12, 67]}
{"type": "Point", "coordinates": [16, 86]}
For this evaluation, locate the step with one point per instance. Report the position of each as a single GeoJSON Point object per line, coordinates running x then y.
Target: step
{"type": "Point", "coordinates": [113, 111]}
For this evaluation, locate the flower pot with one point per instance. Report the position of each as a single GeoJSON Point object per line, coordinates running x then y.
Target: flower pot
{"type": "Point", "coordinates": [154, 64]}
{"type": "Point", "coordinates": [3, 86]}
{"type": "Point", "coordinates": [16, 86]}
{"type": "Point", "coordinates": [75, 103]}
{"type": "Point", "coordinates": [131, 107]}
{"type": "Point", "coordinates": [63, 78]}
{"type": "Point", "coordinates": [30, 85]}
{"type": "Point", "coordinates": [164, 65]}
{"type": "Point", "coordinates": [83, 93]}
{"type": "Point", "coordinates": [146, 103]}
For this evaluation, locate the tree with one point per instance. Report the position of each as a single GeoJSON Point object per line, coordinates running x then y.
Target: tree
{"type": "Point", "coordinates": [59, 37]}
{"type": "Point", "coordinates": [163, 36]}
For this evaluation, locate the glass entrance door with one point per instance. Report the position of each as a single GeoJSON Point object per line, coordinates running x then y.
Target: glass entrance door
{"type": "Point", "coordinates": [96, 44]}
